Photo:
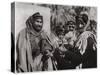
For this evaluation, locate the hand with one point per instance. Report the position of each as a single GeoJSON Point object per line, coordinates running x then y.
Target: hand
{"type": "Point", "coordinates": [62, 48]}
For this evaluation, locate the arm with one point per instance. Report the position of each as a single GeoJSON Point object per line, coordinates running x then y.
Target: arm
{"type": "Point", "coordinates": [21, 63]}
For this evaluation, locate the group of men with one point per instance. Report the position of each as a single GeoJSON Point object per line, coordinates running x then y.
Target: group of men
{"type": "Point", "coordinates": [71, 46]}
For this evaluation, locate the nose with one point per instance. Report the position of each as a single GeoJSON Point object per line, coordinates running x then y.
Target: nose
{"type": "Point", "coordinates": [39, 23]}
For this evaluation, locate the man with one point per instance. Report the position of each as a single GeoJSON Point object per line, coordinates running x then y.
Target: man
{"type": "Point", "coordinates": [70, 35]}
{"type": "Point", "coordinates": [29, 45]}
{"type": "Point", "coordinates": [86, 43]}
{"type": "Point", "coordinates": [66, 59]}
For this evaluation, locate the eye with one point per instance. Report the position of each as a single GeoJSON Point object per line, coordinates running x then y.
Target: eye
{"type": "Point", "coordinates": [37, 21]}
{"type": "Point", "coordinates": [40, 21]}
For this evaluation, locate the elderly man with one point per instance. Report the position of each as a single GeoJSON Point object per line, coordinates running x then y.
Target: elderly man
{"type": "Point", "coordinates": [66, 59]}
{"type": "Point", "coordinates": [70, 35]}
{"type": "Point", "coordinates": [32, 45]}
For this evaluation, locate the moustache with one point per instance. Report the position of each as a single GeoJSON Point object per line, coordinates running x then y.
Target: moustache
{"type": "Point", "coordinates": [38, 26]}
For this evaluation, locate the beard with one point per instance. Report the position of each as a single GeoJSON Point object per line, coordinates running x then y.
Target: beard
{"type": "Point", "coordinates": [37, 28]}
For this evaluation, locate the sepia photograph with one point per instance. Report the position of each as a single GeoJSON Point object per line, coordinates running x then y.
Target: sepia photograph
{"type": "Point", "coordinates": [51, 37]}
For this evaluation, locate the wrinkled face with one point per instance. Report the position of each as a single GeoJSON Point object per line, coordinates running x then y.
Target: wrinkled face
{"type": "Point", "coordinates": [38, 24]}
{"type": "Point", "coordinates": [71, 27]}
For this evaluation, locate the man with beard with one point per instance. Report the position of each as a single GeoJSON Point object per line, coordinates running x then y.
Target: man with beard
{"type": "Point", "coordinates": [66, 59]}
{"type": "Point", "coordinates": [70, 34]}
{"type": "Point", "coordinates": [86, 43]}
{"type": "Point", "coordinates": [29, 45]}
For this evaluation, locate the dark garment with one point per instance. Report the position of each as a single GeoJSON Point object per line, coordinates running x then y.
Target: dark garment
{"type": "Point", "coordinates": [69, 61]}
{"type": "Point", "coordinates": [90, 56]}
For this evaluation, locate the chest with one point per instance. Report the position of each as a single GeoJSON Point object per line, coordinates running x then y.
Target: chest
{"type": "Point", "coordinates": [35, 42]}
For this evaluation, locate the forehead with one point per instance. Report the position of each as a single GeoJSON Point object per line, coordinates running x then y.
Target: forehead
{"type": "Point", "coordinates": [38, 19]}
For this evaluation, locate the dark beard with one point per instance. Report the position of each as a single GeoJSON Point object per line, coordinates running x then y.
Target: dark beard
{"type": "Point", "coordinates": [37, 28]}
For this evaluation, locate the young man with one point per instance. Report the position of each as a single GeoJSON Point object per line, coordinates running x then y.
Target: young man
{"type": "Point", "coordinates": [29, 45]}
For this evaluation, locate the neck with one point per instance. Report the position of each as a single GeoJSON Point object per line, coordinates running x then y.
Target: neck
{"type": "Point", "coordinates": [33, 31]}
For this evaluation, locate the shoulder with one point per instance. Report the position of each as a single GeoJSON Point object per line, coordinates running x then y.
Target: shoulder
{"type": "Point", "coordinates": [23, 31]}
{"type": "Point", "coordinates": [21, 34]}
{"type": "Point", "coordinates": [44, 34]}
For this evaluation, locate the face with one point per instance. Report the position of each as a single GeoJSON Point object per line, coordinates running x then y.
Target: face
{"type": "Point", "coordinates": [37, 25]}
{"type": "Point", "coordinates": [80, 25]}
{"type": "Point", "coordinates": [71, 27]}
{"type": "Point", "coordinates": [81, 28]}
{"type": "Point", "coordinates": [61, 36]}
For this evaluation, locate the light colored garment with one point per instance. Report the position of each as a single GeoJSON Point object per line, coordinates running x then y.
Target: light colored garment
{"type": "Point", "coordinates": [70, 37]}
{"type": "Point", "coordinates": [28, 48]}
{"type": "Point", "coordinates": [82, 41]}
{"type": "Point", "coordinates": [24, 56]}
{"type": "Point", "coordinates": [28, 43]}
